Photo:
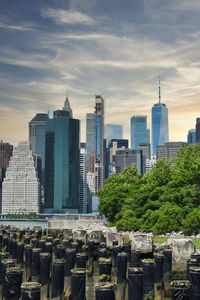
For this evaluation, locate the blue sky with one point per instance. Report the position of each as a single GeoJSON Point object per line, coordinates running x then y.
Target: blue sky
{"type": "Point", "coordinates": [115, 48]}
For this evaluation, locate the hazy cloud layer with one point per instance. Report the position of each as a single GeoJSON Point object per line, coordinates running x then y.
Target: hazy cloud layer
{"type": "Point", "coordinates": [115, 48]}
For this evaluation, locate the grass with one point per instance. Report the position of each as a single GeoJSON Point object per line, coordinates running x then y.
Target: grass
{"type": "Point", "coordinates": [162, 239]}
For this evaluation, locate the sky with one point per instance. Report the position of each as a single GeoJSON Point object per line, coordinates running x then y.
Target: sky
{"type": "Point", "coordinates": [53, 48]}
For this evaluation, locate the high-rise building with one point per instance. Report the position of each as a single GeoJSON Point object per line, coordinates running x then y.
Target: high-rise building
{"type": "Point", "coordinates": [62, 163]}
{"type": "Point", "coordinates": [126, 158]}
{"type": "Point", "coordinates": [139, 131]}
{"type": "Point", "coordinates": [169, 150]}
{"type": "Point", "coordinates": [113, 131]}
{"type": "Point", "coordinates": [191, 137]}
{"type": "Point", "coordinates": [21, 186]}
{"type": "Point", "coordinates": [197, 130]}
{"type": "Point", "coordinates": [113, 146]}
{"type": "Point", "coordinates": [5, 154]}
{"type": "Point", "coordinates": [67, 107]}
{"type": "Point", "coordinates": [90, 134]}
{"type": "Point", "coordinates": [37, 127]}
{"type": "Point", "coordinates": [146, 150]}
{"type": "Point", "coordinates": [160, 132]}
{"type": "Point", "coordinates": [99, 111]}
{"type": "Point", "coordinates": [83, 179]}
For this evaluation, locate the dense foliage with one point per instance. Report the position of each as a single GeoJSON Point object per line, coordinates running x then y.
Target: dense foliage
{"type": "Point", "coordinates": [31, 215]}
{"type": "Point", "coordinates": [164, 200]}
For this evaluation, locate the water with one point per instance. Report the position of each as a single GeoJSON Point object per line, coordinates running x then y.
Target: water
{"type": "Point", "coordinates": [25, 223]}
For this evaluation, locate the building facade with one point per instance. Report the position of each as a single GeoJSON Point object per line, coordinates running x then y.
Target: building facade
{"type": "Point", "coordinates": [83, 179]}
{"type": "Point", "coordinates": [160, 131]}
{"type": "Point", "coordinates": [21, 186]}
{"type": "Point", "coordinates": [126, 158]}
{"type": "Point", "coordinates": [191, 137]}
{"type": "Point", "coordinates": [139, 131]}
{"type": "Point", "coordinates": [113, 131]}
{"type": "Point", "coordinates": [37, 127]}
{"type": "Point", "coordinates": [169, 150]}
{"type": "Point", "coordinates": [5, 154]}
{"type": "Point", "coordinates": [197, 130]}
{"type": "Point", "coordinates": [62, 163]}
{"type": "Point", "coordinates": [90, 134]}
{"type": "Point", "coordinates": [99, 112]}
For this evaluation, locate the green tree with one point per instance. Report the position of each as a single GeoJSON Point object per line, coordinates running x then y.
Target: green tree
{"type": "Point", "coordinates": [116, 190]}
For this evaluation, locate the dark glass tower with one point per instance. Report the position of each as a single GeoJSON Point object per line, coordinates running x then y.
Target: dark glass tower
{"type": "Point", "coordinates": [160, 132]}
{"type": "Point", "coordinates": [62, 163]}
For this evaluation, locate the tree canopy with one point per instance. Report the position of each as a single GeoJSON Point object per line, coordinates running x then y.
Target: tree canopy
{"type": "Point", "coordinates": [164, 200]}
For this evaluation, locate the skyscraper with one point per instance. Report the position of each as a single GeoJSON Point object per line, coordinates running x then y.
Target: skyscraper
{"type": "Point", "coordinates": [62, 163]}
{"type": "Point", "coordinates": [160, 132]}
{"type": "Point", "coordinates": [5, 154]}
{"type": "Point", "coordinates": [191, 137]}
{"type": "Point", "coordinates": [83, 180]}
{"type": "Point", "coordinates": [198, 130]}
{"type": "Point", "coordinates": [21, 187]}
{"type": "Point", "coordinates": [113, 131]}
{"type": "Point", "coordinates": [37, 127]}
{"type": "Point", "coordinates": [139, 131]}
{"type": "Point", "coordinates": [90, 134]}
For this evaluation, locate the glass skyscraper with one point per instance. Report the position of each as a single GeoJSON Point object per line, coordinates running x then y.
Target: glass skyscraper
{"type": "Point", "coordinates": [139, 131]}
{"type": "Point", "coordinates": [160, 132]}
{"type": "Point", "coordinates": [62, 163]}
{"type": "Point", "coordinates": [191, 137]}
{"type": "Point", "coordinates": [90, 134]}
{"type": "Point", "coordinates": [113, 131]}
{"type": "Point", "coordinates": [37, 127]}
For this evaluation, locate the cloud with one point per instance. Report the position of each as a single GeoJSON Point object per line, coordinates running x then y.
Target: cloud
{"type": "Point", "coordinates": [16, 27]}
{"type": "Point", "coordinates": [61, 16]}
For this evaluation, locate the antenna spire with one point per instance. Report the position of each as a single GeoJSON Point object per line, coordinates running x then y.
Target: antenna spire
{"type": "Point", "coordinates": [159, 91]}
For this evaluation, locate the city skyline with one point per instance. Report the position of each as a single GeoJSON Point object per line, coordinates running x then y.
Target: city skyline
{"type": "Point", "coordinates": [51, 49]}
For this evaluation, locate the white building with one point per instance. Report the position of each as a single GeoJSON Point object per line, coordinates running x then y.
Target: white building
{"type": "Point", "coordinates": [21, 187]}
{"type": "Point", "coordinates": [83, 180]}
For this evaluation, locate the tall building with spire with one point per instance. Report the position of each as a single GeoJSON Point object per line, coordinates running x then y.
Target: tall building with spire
{"type": "Point", "coordinates": [160, 131]}
{"type": "Point", "coordinates": [67, 107]}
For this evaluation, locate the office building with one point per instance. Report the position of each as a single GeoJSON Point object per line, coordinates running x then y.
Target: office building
{"type": "Point", "coordinates": [160, 132]}
{"type": "Point", "coordinates": [146, 150]}
{"type": "Point", "coordinates": [191, 137]}
{"type": "Point", "coordinates": [5, 154]}
{"type": "Point", "coordinates": [169, 150]}
{"type": "Point", "coordinates": [197, 130]}
{"type": "Point", "coordinates": [90, 134]}
{"type": "Point", "coordinates": [126, 158]}
{"type": "Point", "coordinates": [139, 131]}
{"type": "Point", "coordinates": [113, 131]}
{"type": "Point", "coordinates": [83, 179]}
{"type": "Point", "coordinates": [113, 146]}
{"type": "Point", "coordinates": [62, 163]}
{"type": "Point", "coordinates": [37, 127]}
{"type": "Point", "coordinates": [21, 186]}
{"type": "Point", "coordinates": [99, 112]}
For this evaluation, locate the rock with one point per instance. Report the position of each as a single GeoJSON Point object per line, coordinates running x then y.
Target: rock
{"type": "Point", "coordinates": [142, 242]}
{"type": "Point", "coordinates": [181, 252]}
{"type": "Point", "coordinates": [159, 247]}
{"type": "Point", "coordinates": [96, 235]}
{"type": "Point", "coordinates": [110, 237]}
